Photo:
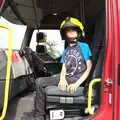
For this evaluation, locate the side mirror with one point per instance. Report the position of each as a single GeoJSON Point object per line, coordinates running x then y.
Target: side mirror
{"type": "Point", "coordinates": [39, 36]}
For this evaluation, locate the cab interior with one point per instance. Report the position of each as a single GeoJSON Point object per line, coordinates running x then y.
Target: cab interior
{"type": "Point", "coordinates": [48, 15]}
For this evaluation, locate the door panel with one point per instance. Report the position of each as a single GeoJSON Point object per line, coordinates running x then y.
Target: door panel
{"type": "Point", "coordinates": [106, 109]}
{"type": "Point", "coordinates": [116, 23]}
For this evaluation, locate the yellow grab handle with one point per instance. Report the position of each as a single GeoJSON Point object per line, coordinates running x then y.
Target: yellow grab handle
{"type": "Point", "coordinates": [8, 71]}
{"type": "Point", "coordinates": [92, 83]}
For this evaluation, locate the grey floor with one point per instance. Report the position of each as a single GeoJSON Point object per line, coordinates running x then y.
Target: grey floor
{"type": "Point", "coordinates": [19, 106]}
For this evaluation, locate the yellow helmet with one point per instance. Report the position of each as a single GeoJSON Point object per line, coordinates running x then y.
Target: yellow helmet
{"type": "Point", "coordinates": [71, 22]}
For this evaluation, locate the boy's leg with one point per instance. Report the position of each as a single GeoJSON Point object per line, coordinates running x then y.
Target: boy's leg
{"type": "Point", "coordinates": [41, 84]}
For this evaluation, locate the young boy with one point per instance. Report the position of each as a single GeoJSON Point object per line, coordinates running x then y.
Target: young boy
{"type": "Point", "coordinates": [76, 58]}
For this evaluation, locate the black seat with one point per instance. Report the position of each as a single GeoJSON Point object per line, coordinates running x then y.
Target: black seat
{"type": "Point", "coordinates": [78, 100]}
{"type": "Point", "coordinates": [37, 65]}
{"type": "Point", "coordinates": [72, 104]}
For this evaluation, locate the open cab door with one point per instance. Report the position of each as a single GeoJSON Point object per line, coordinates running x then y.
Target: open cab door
{"type": "Point", "coordinates": [110, 107]}
{"type": "Point", "coordinates": [116, 48]}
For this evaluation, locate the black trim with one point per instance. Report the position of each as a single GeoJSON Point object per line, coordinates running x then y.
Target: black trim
{"type": "Point", "coordinates": [119, 74]}
{"type": "Point", "coordinates": [27, 37]}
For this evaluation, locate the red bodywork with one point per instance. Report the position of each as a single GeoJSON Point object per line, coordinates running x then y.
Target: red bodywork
{"type": "Point", "coordinates": [1, 2]}
{"type": "Point", "coordinates": [116, 19]}
{"type": "Point", "coordinates": [110, 107]}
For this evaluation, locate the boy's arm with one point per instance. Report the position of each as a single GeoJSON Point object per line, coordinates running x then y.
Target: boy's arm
{"type": "Point", "coordinates": [63, 83]}
{"type": "Point", "coordinates": [73, 87]}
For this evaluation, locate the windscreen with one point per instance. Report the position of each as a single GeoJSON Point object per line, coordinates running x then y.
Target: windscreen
{"type": "Point", "coordinates": [18, 34]}
{"type": "Point", "coordinates": [52, 41]}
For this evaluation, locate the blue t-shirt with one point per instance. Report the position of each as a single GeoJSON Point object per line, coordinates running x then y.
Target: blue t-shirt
{"type": "Point", "coordinates": [85, 51]}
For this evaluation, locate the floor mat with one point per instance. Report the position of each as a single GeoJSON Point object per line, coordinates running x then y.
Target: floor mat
{"type": "Point", "coordinates": [20, 106]}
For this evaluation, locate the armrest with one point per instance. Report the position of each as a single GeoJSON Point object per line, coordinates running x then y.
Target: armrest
{"type": "Point", "coordinates": [92, 83]}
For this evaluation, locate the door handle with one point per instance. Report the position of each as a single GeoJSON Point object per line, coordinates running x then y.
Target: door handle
{"type": "Point", "coordinates": [108, 82]}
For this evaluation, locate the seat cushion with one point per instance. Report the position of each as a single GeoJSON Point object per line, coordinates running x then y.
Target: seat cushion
{"type": "Point", "coordinates": [55, 95]}
{"type": "Point", "coordinates": [55, 91]}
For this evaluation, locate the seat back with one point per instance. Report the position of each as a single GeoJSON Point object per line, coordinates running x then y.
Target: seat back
{"type": "Point", "coordinates": [36, 63]}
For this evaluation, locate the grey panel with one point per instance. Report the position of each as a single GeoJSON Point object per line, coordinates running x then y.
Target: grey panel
{"type": "Point", "coordinates": [2, 84]}
{"type": "Point", "coordinates": [18, 85]}
{"type": "Point", "coordinates": [26, 12]}
{"type": "Point", "coordinates": [21, 74]}
{"type": "Point", "coordinates": [21, 66]}
{"type": "Point", "coordinates": [10, 16]}
{"type": "Point", "coordinates": [24, 2]}
{"type": "Point", "coordinates": [3, 62]}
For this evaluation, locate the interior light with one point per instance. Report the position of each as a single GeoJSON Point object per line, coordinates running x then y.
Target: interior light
{"type": "Point", "coordinates": [55, 14]}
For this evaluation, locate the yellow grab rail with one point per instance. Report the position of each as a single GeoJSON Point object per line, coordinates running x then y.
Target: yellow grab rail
{"type": "Point", "coordinates": [7, 83]}
{"type": "Point", "coordinates": [92, 83]}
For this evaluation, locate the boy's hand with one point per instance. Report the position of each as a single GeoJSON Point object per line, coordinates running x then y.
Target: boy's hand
{"type": "Point", "coordinates": [63, 85]}
{"type": "Point", "coordinates": [72, 88]}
